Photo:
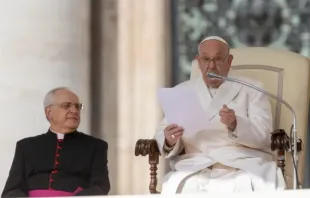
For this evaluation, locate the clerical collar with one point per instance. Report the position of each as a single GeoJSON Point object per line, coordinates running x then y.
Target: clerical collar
{"type": "Point", "coordinates": [60, 136]}
{"type": "Point", "coordinates": [212, 91]}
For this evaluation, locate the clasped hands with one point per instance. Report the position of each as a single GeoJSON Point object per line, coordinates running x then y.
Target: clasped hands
{"type": "Point", "coordinates": [174, 132]}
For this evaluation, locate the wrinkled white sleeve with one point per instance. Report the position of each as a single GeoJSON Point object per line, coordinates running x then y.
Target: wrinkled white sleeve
{"type": "Point", "coordinates": [163, 148]}
{"type": "Point", "coordinates": [254, 131]}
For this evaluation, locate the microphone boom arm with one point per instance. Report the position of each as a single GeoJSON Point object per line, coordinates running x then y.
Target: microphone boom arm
{"type": "Point", "coordinates": [295, 158]}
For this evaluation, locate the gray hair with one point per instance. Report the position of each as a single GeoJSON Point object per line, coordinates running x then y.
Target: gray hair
{"type": "Point", "coordinates": [49, 97]}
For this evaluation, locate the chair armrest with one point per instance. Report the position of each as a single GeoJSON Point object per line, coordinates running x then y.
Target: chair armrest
{"type": "Point", "coordinates": [149, 147]}
{"type": "Point", "coordinates": [280, 142]}
{"type": "Point", "coordinates": [146, 147]}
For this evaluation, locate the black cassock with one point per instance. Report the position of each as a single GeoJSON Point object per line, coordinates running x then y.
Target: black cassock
{"type": "Point", "coordinates": [44, 162]}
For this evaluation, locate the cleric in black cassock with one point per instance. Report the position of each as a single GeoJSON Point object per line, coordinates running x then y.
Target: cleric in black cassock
{"type": "Point", "coordinates": [62, 161]}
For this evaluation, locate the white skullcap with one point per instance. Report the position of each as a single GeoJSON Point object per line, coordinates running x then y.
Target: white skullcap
{"type": "Point", "coordinates": [214, 38]}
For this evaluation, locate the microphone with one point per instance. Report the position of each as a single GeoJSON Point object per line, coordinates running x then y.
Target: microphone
{"type": "Point", "coordinates": [295, 139]}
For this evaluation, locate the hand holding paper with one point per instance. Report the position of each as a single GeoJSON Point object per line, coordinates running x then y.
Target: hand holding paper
{"type": "Point", "coordinates": [182, 106]}
{"type": "Point", "coordinates": [173, 133]}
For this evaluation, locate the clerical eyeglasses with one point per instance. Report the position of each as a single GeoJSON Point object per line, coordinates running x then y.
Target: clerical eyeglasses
{"type": "Point", "coordinates": [68, 105]}
{"type": "Point", "coordinates": [217, 60]}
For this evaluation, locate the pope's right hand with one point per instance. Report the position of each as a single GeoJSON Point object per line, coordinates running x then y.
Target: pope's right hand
{"type": "Point", "coordinates": [173, 133]}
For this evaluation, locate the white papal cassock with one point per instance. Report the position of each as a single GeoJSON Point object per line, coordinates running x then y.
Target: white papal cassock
{"type": "Point", "coordinates": [219, 160]}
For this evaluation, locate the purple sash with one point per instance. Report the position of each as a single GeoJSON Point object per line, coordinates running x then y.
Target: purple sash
{"type": "Point", "coordinates": [52, 193]}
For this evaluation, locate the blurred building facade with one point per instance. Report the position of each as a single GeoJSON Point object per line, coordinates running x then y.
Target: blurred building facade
{"type": "Point", "coordinates": [115, 54]}
{"type": "Point", "coordinates": [282, 24]}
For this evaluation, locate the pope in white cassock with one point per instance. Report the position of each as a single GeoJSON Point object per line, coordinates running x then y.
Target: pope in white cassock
{"type": "Point", "coordinates": [233, 154]}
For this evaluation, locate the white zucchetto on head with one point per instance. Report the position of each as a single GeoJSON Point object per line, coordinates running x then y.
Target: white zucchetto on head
{"type": "Point", "coordinates": [214, 38]}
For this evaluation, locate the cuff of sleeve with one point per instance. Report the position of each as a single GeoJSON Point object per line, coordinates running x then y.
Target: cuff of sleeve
{"type": "Point", "coordinates": [15, 193]}
{"type": "Point", "coordinates": [233, 134]}
{"type": "Point", "coordinates": [238, 135]}
{"type": "Point", "coordinates": [174, 150]}
{"type": "Point", "coordinates": [167, 149]}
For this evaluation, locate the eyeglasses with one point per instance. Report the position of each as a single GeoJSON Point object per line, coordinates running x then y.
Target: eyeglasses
{"type": "Point", "coordinates": [217, 60]}
{"type": "Point", "coordinates": [68, 105]}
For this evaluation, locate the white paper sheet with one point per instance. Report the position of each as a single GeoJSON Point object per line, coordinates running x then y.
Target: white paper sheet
{"type": "Point", "coordinates": [182, 106]}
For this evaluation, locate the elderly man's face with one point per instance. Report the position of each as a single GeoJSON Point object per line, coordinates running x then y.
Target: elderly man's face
{"type": "Point", "coordinates": [64, 113]}
{"type": "Point", "coordinates": [214, 57]}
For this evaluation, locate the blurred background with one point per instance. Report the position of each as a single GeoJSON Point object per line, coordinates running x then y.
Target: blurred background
{"type": "Point", "coordinates": [115, 54]}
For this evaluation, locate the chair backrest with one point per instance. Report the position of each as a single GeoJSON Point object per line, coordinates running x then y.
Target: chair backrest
{"type": "Point", "coordinates": [285, 74]}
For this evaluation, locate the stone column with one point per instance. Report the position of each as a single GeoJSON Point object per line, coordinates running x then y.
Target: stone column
{"type": "Point", "coordinates": [135, 52]}
{"type": "Point", "coordinates": [43, 44]}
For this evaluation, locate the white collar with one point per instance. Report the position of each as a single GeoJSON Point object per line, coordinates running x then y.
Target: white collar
{"type": "Point", "coordinates": [60, 136]}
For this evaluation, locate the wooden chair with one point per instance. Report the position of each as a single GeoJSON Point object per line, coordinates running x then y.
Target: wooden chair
{"type": "Point", "coordinates": [283, 73]}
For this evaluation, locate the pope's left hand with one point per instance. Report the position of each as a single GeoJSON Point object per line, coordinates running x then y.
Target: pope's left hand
{"type": "Point", "coordinates": [228, 117]}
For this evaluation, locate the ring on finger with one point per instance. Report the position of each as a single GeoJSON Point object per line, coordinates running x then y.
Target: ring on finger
{"type": "Point", "coordinates": [172, 136]}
